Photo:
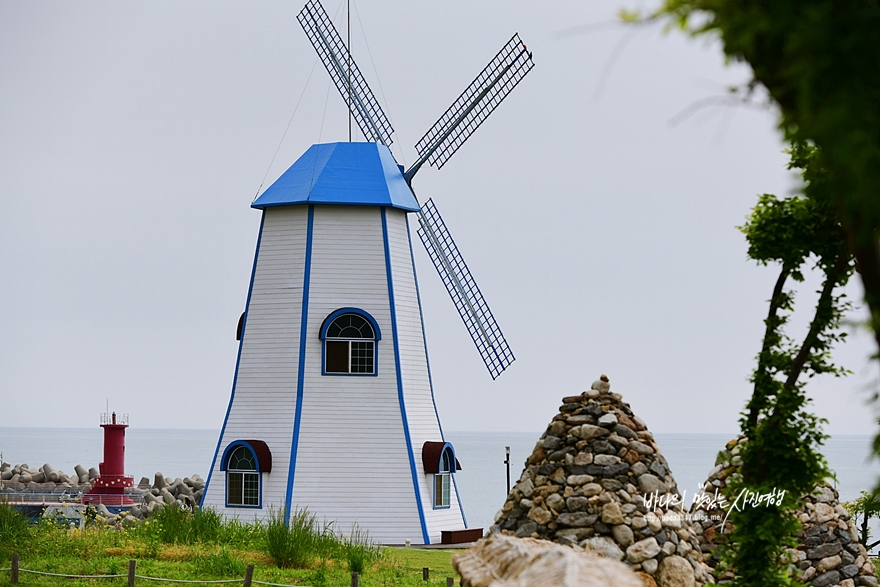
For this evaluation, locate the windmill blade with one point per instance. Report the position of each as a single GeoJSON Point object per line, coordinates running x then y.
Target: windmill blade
{"type": "Point", "coordinates": [474, 105]}
{"type": "Point", "coordinates": [463, 290]}
{"type": "Point", "coordinates": [345, 73]}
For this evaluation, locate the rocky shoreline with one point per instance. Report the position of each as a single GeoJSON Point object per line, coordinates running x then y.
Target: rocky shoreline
{"type": "Point", "coordinates": [22, 484]}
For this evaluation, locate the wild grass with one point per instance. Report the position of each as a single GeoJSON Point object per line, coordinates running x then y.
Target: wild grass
{"type": "Point", "coordinates": [206, 546]}
{"type": "Point", "coordinates": [359, 551]}
{"type": "Point", "coordinates": [298, 542]}
{"type": "Point", "coordinates": [176, 525]}
{"type": "Point", "coordinates": [222, 564]}
{"type": "Point", "coordinates": [14, 531]}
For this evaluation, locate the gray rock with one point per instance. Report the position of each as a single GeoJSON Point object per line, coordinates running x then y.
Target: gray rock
{"type": "Point", "coordinates": [611, 514]}
{"type": "Point", "coordinates": [658, 468]}
{"type": "Point", "coordinates": [604, 546]}
{"type": "Point", "coordinates": [551, 442]}
{"type": "Point", "coordinates": [591, 489]}
{"type": "Point", "coordinates": [623, 535]}
{"type": "Point", "coordinates": [849, 571]}
{"type": "Point", "coordinates": [526, 487]}
{"type": "Point", "coordinates": [823, 494]}
{"type": "Point", "coordinates": [625, 432]}
{"type": "Point", "coordinates": [641, 448]}
{"type": "Point", "coordinates": [824, 550]}
{"type": "Point", "coordinates": [867, 581]}
{"type": "Point", "coordinates": [526, 530]}
{"type": "Point", "coordinates": [638, 468]}
{"type": "Point", "coordinates": [608, 419]}
{"type": "Point", "coordinates": [675, 571]}
{"type": "Point", "coordinates": [825, 579]}
{"type": "Point", "coordinates": [606, 460]}
{"type": "Point", "coordinates": [648, 483]}
{"type": "Point", "coordinates": [603, 447]}
{"type": "Point", "coordinates": [576, 519]}
{"type": "Point", "coordinates": [540, 515]}
{"type": "Point", "coordinates": [830, 562]}
{"type": "Point", "coordinates": [555, 501]}
{"type": "Point", "coordinates": [588, 431]}
{"type": "Point", "coordinates": [650, 566]}
{"type": "Point", "coordinates": [602, 385]}
{"type": "Point", "coordinates": [611, 484]}
{"type": "Point", "coordinates": [643, 550]}
{"type": "Point", "coordinates": [576, 503]}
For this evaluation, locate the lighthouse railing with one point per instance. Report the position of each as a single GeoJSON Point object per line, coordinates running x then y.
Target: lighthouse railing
{"type": "Point", "coordinates": [21, 493]}
{"type": "Point", "coordinates": [114, 418]}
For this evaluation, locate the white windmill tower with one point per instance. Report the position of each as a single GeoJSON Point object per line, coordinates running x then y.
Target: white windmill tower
{"type": "Point", "coordinates": [332, 405]}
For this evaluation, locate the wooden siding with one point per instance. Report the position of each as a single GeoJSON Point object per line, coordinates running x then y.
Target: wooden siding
{"type": "Point", "coordinates": [352, 464]}
{"type": "Point", "coordinates": [264, 402]}
{"type": "Point", "coordinates": [352, 460]}
{"type": "Point", "coordinates": [420, 410]}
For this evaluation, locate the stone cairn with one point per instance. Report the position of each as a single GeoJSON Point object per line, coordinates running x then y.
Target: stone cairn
{"type": "Point", "coordinates": [828, 552]}
{"type": "Point", "coordinates": [585, 484]}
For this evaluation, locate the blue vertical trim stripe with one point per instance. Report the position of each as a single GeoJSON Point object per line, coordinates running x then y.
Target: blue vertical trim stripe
{"type": "Point", "coordinates": [300, 376]}
{"type": "Point", "coordinates": [394, 335]}
{"type": "Point", "coordinates": [237, 360]}
{"type": "Point", "coordinates": [428, 363]}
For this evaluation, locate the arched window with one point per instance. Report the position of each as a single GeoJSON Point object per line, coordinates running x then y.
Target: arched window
{"type": "Point", "coordinates": [244, 461]}
{"type": "Point", "coordinates": [439, 460]}
{"type": "Point", "coordinates": [442, 480]}
{"type": "Point", "coordinates": [349, 337]}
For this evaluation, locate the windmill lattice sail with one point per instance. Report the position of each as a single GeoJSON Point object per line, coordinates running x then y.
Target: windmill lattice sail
{"type": "Point", "coordinates": [334, 55]}
{"type": "Point", "coordinates": [475, 104]}
{"type": "Point", "coordinates": [463, 290]}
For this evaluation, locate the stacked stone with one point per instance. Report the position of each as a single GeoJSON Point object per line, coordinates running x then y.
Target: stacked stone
{"type": "Point", "coordinates": [185, 492]}
{"type": "Point", "coordinates": [828, 551]}
{"type": "Point", "coordinates": [584, 487]}
{"type": "Point", "coordinates": [46, 479]}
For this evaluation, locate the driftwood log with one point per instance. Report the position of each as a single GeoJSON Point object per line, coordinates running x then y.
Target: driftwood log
{"type": "Point", "coordinates": [506, 561]}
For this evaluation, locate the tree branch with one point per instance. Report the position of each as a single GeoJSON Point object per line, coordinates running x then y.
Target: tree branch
{"type": "Point", "coordinates": [757, 401]}
{"type": "Point", "coordinates": [824, 310]}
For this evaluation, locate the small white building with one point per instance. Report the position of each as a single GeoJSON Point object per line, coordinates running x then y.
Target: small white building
{"type": "Point", "coordinates": [332, 406]}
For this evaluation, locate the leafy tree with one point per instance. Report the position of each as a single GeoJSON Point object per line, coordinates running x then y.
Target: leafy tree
{"type": "Point", "coordinates": [820, 63]}
{"type": "Point", "coordinates": [864, 507]}
{"type": "Point", "coordinates": [782, 439]}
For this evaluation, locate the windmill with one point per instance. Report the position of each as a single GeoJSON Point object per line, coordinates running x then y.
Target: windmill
{"type": "Point", "coordinates": [346, 415]}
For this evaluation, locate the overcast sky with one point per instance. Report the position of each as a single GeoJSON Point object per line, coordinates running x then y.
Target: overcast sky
{"type": "Point", "coordinates": [598, 221]}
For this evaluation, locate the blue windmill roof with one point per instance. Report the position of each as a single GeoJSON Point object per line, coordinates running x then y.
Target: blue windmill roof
{"type": "Point", "coordinates": [354, 174]}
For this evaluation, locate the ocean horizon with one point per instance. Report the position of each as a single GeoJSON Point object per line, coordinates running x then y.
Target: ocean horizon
{"type": "Point", "coordinates": [482, 481]}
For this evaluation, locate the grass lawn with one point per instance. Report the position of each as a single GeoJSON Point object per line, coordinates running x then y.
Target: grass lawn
{"type": "Point", "coordinates": [180, 545]}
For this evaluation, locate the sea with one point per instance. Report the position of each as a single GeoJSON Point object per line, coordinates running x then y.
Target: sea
{"type": "Point", "coordinates": [481, 482]}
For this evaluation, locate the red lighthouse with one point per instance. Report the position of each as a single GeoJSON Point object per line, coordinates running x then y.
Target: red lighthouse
{"type": "Point", "coordinates": [109, 487]}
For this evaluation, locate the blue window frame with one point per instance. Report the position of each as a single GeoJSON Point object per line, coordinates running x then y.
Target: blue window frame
{"type": "Point", "coordinates": [443, 479]}
{"type": "Point", "coordinates": [244, 461]}
{"type": "Point", "coordinates": [349, 338]}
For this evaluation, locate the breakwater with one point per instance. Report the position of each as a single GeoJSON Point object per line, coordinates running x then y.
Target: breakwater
{"type": "Point", "coordinates": [23, 484]}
